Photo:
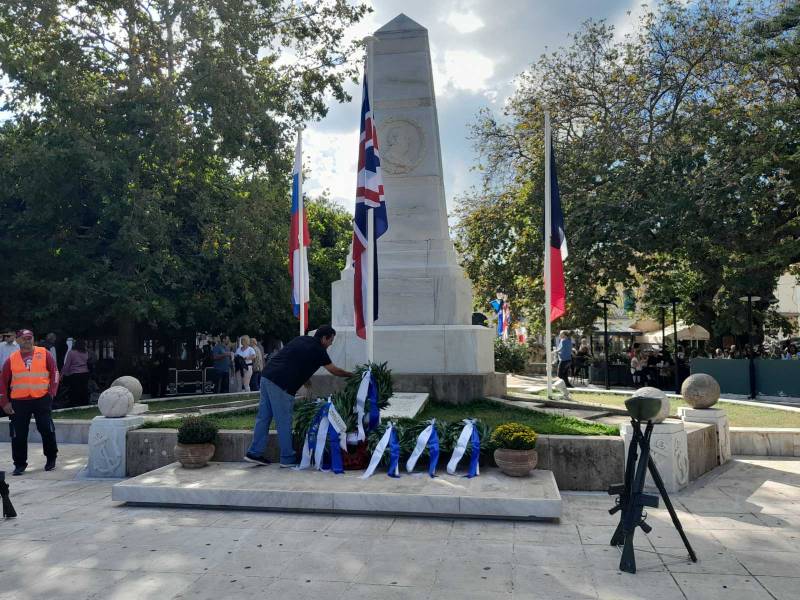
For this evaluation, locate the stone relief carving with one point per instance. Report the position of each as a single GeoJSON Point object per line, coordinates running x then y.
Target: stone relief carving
{"type": "Point", "coordinates": [106, 454]}
{"type": "Point", "coordinates": [402, 144]}
{"type": "Point", "coordinates": [681, 464]}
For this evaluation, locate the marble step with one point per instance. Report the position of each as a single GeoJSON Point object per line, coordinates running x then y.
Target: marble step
{"type": "Point", "coordinates": [246, 486]}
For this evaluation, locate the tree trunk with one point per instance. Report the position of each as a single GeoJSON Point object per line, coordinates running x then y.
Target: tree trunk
{"type": "Point", "coordinates": [126, 351]}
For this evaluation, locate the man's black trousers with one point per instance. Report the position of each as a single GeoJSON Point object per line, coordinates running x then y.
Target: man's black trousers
{"type": "Point", "coordinates": [20, 423]}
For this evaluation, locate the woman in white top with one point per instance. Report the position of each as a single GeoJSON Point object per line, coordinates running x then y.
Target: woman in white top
{"type": "Point", "coordinates": [249, 355]}
{"type": "Point", "coordinates": [636, 368]}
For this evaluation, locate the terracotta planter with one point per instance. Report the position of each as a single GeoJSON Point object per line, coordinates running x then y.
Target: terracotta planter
{"type": "Point", "coordinates": [516, 463]}
{"type": "Point", "coordinates": [194, 456]}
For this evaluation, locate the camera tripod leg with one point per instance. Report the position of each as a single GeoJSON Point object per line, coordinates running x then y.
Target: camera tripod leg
{"type": "Point", "coordinates": [675, 521]}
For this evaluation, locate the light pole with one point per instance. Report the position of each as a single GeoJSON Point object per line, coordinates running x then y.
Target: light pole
{"type": "Point", "coordinates": [751, 365]}
{"type": "Point", "coordinates": [674, 301]}
{"type": "Point", "coordinates": [606, 301]}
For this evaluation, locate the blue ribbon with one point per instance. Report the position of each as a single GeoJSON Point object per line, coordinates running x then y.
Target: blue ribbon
{"type": "Point", "coordinates": [313, 430]}
{"type": "Point", "coordinates": [475, 455]}
{"type": "Point", "coordinates": [374, 411]}
{"type": "Point", "coordinates": [433, 452]}
{"type": "Point", "coordinates": [336, 452]}
{"type": "Point", "coordinates": [394, 454]}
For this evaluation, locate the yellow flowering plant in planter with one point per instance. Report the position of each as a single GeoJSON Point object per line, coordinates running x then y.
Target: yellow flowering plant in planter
{"type": "Point", "coordinates": [514, 445]}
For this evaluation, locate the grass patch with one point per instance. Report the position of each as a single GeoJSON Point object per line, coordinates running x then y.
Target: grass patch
{"type": "Point", "coordinates": [161, 406]}
{"type": "Point", "coordinates": [739, 415]}
{"type": "Point", "coordinates": [494, 414]}
{"type": "Point", "coordinates": [239, 419]}
{"type": "Point", "coordinates": [491, 413]}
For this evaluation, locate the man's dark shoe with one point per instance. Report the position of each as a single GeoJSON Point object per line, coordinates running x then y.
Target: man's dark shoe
{"type": "Point", "coordinates": [18, 470]}
{"type": "Point", "coordinates": [50, 464]}
{"type": "Point", "coordinates": [253, 458]}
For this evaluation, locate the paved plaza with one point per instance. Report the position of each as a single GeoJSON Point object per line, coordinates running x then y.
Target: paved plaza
{"type": "Point", "coordinates": [71, 541]}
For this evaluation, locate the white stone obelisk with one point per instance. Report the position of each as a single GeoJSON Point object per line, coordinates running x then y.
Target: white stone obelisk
{"type": "Point", "coordinates": [425, 299]}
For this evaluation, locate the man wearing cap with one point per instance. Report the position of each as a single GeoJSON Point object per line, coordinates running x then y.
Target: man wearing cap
{"type": "Point", "coordinates": [28, 384]}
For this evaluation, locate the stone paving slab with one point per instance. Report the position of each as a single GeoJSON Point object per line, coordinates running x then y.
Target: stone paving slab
{"type": "Point", "coordinates": [240, 485]}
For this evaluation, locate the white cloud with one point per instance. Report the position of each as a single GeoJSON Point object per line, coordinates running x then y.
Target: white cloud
{"type": "Point", "coordinates": [462, 70]}
{"type": "Point", "coordinates": [332, 159]}
{"type": "Point", "coordinates": [464, 22]}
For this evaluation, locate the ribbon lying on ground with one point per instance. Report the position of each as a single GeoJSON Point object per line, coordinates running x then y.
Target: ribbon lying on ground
{"type": "Point", "coordinates": [469, 436]}
{"type": "Point", "coordinates": [429, 439]}
{"type": "Point", "coordinates": [389, 439]}
{"type": "Point", "coordinates": [327, 426]}
{"type": "Point", "coordinates": [367, 390]}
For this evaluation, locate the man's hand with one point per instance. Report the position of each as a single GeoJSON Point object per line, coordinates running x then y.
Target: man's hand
{"type": "Point", "coordinates": [334, 370]}
{"type": "Point", "coordinates": [8, 409]}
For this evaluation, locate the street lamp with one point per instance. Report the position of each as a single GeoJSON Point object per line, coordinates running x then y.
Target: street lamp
{"type": "Point", "coordinates": [750, 298]}
{"type": "Point", "coordinates": [606, 301]}
{"type": "Point", "coordinates": [674, 301]}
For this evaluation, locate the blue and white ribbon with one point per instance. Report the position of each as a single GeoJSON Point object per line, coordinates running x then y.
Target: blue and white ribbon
{"type": "Point", "coordinates": [469, 437]}
{"type": "Point", "coordinates": [327, 426]}
{"type": "Point", "coordinates": [367, 390]}
{"type": "Point", "coordinates": [391, 441]}
{"type": "Point", "coordinates": [429, 439]}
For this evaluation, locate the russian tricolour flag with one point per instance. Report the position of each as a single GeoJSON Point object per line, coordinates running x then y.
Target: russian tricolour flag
{"type": "Point", "coordinates": [369, 196]}
{"type": "Point", "coordinates": [558, 246]}
{"type": "Point", "coordinates": [298, 260]}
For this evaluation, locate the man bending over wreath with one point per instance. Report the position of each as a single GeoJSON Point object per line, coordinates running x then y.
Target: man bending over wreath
{"type": "Point", "coordinates": [282, 376]}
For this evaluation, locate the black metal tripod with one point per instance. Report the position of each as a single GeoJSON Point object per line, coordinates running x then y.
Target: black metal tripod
{"type": "Point", "coordinates": [632, 500]}
{"type": "Point", "coordinates": [8, 508]}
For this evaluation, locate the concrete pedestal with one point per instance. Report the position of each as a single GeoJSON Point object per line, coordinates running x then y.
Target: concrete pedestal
{"type": "Point", "coordinates": [669, 450]}
{"type": "Point", "coordinates": [107, 439]}
{"type": "Point", "coordinates": [712, 416]}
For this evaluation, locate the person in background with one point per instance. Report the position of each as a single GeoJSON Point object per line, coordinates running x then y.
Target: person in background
{"type": "Point", "coordinates": [8, 346]}
{"type": "Point", "coordinates": [160, 371]}
{"type": "Point", "coordinates": [248, 356]}
{"type": "Point", "coordinates": [258, 365]}
{"type": "Point", "coordinates": [76, 374]}
{"type": "Point", "coordinates": [636, 368]}
{"type": "Point", "coordinates": [283, 375]}
{"type": "Point", "coordinates": [564, 352]}
{"type": "Point", "coordinates": [28, 384]}
{"type": "Point", "coordinates": [50, 343]}
{"type": "Point", "coordinates": [791, 353]}
{"type": "Point", "coordinates": [222, 365]}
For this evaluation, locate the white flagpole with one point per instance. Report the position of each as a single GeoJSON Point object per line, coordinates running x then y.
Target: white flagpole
{"type": "Point", "coordinates": [548, 289]}
{"type": "Point", "coordinates": [301, 232]}
{"type": "Point", "coordinates": [371, 220]}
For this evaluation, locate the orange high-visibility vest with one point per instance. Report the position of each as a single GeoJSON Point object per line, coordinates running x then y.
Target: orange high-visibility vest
{"type": "Point", "coordinates": [33, 382]}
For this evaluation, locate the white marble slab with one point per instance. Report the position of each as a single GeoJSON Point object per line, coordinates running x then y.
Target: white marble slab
{"type": "Point", "coordinates": [405, 405]}
{"type": "Point", "coordinates": [240, 485]}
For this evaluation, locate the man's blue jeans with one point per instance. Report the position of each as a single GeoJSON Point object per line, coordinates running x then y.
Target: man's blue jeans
{"type": "Point", "coordinates": [278, 404]}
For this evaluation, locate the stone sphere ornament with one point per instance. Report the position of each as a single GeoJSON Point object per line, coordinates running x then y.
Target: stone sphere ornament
{"type": "Point", "coordinates": [132, 384]}
{"type": "Point", "coordinates": [116, 401]}
{"type": "Point", "coordinates": [700, 390]}
{"type": "Point", "coordinates": [651, 392]}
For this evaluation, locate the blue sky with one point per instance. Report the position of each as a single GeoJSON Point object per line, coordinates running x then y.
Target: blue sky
{"type": "Point", "coordinates": [478, 47]}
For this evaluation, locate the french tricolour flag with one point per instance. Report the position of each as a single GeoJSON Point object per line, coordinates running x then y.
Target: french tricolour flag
{"type": "Point", "coordinates": [369, 196]}
{"type": "Point", "coordinates": [558, 246]}
{"type": "Point", "coordinates": [298, 261]}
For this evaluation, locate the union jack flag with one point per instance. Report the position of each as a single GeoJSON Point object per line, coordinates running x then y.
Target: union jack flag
{"type": "Point", "coordinates": [369, 196]}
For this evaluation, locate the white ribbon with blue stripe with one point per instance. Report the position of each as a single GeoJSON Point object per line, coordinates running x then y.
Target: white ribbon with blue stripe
{"type": "Point", "coordinates": [469, 436]}
{"type": "Point", "coordinates": [326, 417]}
{"type": "Point", "coordinates": [427, 439]}
{"type": "Point", "coordinates": [367, 390]}
{"type": "Point", "coordinates": [390, 440]}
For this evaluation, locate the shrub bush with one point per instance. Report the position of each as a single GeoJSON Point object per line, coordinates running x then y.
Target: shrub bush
{"type": "Point", "coordinates": [514, 436]}
{"type": "Point", "coordinates": [509, 356]}
{"type": "Point", "coordinates": [197, 430]}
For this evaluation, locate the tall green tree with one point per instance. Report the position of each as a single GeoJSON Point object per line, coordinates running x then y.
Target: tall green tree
{"type": "Point", "coordinates": [676, 150]}
{"type": "Point", "coordinates": [144, 172]}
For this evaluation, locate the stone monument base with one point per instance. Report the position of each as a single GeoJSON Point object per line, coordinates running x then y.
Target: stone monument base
{"type": "Point", "coordinates": [717, 418]}
{"type": "Point", "coordinates": [454, 388]}
{"type": "Point", "coordinates": [669, 450]}
{"type": "Point", "coordinates": [448, 349]}
{"type": "Point", "coordinates": [107, 445]}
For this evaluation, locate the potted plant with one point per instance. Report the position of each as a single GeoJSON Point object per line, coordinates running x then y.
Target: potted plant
{"type": "Point", "coordinates": [195, 445]}
{"type": "Point", "coordinates": [514, 449]}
